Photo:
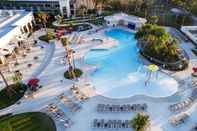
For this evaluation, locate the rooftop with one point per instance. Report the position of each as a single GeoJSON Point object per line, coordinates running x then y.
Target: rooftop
{"type": "Point", "coordinates": [128, 18]}
{"type": "Point", "coordinates": [8, 20]}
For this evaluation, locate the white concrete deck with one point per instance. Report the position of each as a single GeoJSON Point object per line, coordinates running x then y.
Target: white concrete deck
{"type": "Point", "coordinates": [51, 75]}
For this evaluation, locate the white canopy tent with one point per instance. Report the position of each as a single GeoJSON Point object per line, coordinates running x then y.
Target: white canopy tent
{"type": "Point", "coordinates": [124, 19]}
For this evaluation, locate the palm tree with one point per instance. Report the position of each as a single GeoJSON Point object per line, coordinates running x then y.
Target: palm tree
{"type": "Point", "coordinates": [137, 4]}
{"type": "Point", "coordinates": [98, 4]}
{"type": "Point", "coordinates": [8, 89]}
{"type": "Point", "coordinates": [157, 43]}
{"type": "Point", "coordinates": [153, 19]}
{"type": "Point", "coordinates": [60, 19]}
{"type": "Point", "coordinates": [69, 58]}
{"type": "Point", "coordinates": [140, 122]}
{"type": "Point", "coordinates": [50, 36]}
{"type": "Point", "coordinates": [146, 5]}
{"type": "Point", "coordinates": [43, 18]}
{"type": "Point", "coordinates": [4, 79]}
{"type": "Point", "coordinates": [83, 10]}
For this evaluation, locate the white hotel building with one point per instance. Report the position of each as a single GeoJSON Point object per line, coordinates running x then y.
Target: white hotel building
{"type": "Point", "coordinates": [13, 24]}
{"type": "Point", "coordinates": [66, 7]}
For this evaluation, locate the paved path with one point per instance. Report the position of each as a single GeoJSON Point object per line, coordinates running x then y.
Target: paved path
{"type": "Point", "coordinates": [46, 60]}
{"type": "Point", "coordinates": [51, 77]}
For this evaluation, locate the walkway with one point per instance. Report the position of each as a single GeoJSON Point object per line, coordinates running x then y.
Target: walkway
{"type": "Point", "coordinates": [50, 48]}
{"type": "Point", "coordinates": [52, 80]}
{"type": "Point", "coordinates": [50, 73]}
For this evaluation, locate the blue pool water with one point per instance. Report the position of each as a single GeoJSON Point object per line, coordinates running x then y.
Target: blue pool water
{"type": "Point", "coordinates": [121, 74]}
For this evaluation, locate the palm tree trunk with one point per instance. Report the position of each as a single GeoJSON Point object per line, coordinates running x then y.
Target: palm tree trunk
{"type": "Point", "coordinates": [4, 80]}
{"type": "Point", "coordinates": [6, 84]}
{"type": "Point", "coordinates": [45, 26]}
{"type": "Point", "coordinates": [16, 59]}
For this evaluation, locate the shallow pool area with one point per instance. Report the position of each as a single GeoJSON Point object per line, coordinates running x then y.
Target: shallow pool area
{"type": "Point", "coordinates": [121, 73]}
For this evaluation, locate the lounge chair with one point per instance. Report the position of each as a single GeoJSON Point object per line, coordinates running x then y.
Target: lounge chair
{"type": "Point", "coordinates": [144, 107]}
{"type": "Point", "coordinates": [110, 124]}
{"type": "Point", "coordinates": [106, 125]}
{"type": "Point", "coordinates": [102, 123]}
{"type": "Point", "coordinates": [118, 108]}
{"type": "Point", "coordinates": [95, 123]}
{"type": "Point", "coordinates": [113, 108]}
{"type": "Point", "coordinates": [100, 107]}
{"type": "Point", "coordinates": [114, 124]}
{"type": "Point", "coordinates": [107, 108]}
{"type": "Point", "coordinates": [123, 125]}
{"type": "Point", "coordinates": [179, 119]}
{"type": "Point", "coordinates": [128, 107]}
{"type": "Point", "coordinates": [119, 123]}
{"type": "Point", "coordinates": [98, 125]}
{"type": "Point", "coordinates": [127, 123]}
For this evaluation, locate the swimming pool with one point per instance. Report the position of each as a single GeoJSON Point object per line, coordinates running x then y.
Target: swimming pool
{"type": "Point", "coordinates": [121, 73]}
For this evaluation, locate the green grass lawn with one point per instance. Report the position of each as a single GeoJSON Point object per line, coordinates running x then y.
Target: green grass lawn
{"type": "Point", "coordinates": [32, 121]}
{"type": "Point", "coordinates": [18, 92]}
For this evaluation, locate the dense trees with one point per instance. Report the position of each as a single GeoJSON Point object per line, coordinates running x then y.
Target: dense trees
{"type": "Point", "coordinates": [43, 18]}
{"type": "Point", "coordinates": [157, 43]}
{"type": "Point", "coordinates": [160, 48]}
{"type": "Point", "coordinates": [138, 7]}
{"type": "Point", "coordinates": [99, 5]}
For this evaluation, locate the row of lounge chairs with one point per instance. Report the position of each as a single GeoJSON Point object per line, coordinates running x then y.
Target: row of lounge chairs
{"type": "Point", "coordinates": [78, 94]}
{"type": "Point", "coordinates": [181, 105]}
{"type": "Point", "coordinates": [103, 108]}
{"type": "Point", "coordinates": [59, 115]}
{"type": "Point", "coordinates": [186, 103]}
{"type": "Point", "coordinates": [111, 124]}
{"type": "Point", "coordinates": [73, 106]}
{"type": "Point", "coordinates": [179, 119]}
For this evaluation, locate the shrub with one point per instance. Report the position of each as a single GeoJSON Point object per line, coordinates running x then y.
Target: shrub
{"type": "Point", "coordinates": [140, 122]}
{"type": "Point", "coordinates": [49, 36]}
{"type": "Point", "coordinates": [77, 74]}
{"type": "Point", "coordinates": [9, 99]}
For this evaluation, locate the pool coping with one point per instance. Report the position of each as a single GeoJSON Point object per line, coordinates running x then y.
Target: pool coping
{"type": "Point", "coordinates": [140, 96]}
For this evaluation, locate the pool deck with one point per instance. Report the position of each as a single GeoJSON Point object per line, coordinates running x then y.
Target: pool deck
{"type": "Point", "coordinates": [54, 84]}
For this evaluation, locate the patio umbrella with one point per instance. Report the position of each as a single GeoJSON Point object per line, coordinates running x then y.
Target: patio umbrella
{"type": "Point", "coordinates": [194, 73]}
{"type": "Point", "coordinates": [152, 68]}
{"type": "Point", "coordinates": [194, 69]}
{"type": "Point", "coordinates": [33, 82]}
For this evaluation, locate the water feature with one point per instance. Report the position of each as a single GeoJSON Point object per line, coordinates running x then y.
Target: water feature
{"type": "Point", "coordinates": [121, 73]}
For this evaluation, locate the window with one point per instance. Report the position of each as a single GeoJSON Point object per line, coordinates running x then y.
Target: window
{"type": "Point", "coordinates": [47, 5]}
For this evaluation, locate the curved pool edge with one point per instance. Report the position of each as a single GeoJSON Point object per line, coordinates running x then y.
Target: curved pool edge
{"type": "Point", "coordinates": [173, 98]}
{"type": "Point", "coordinates": [168, 98]}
